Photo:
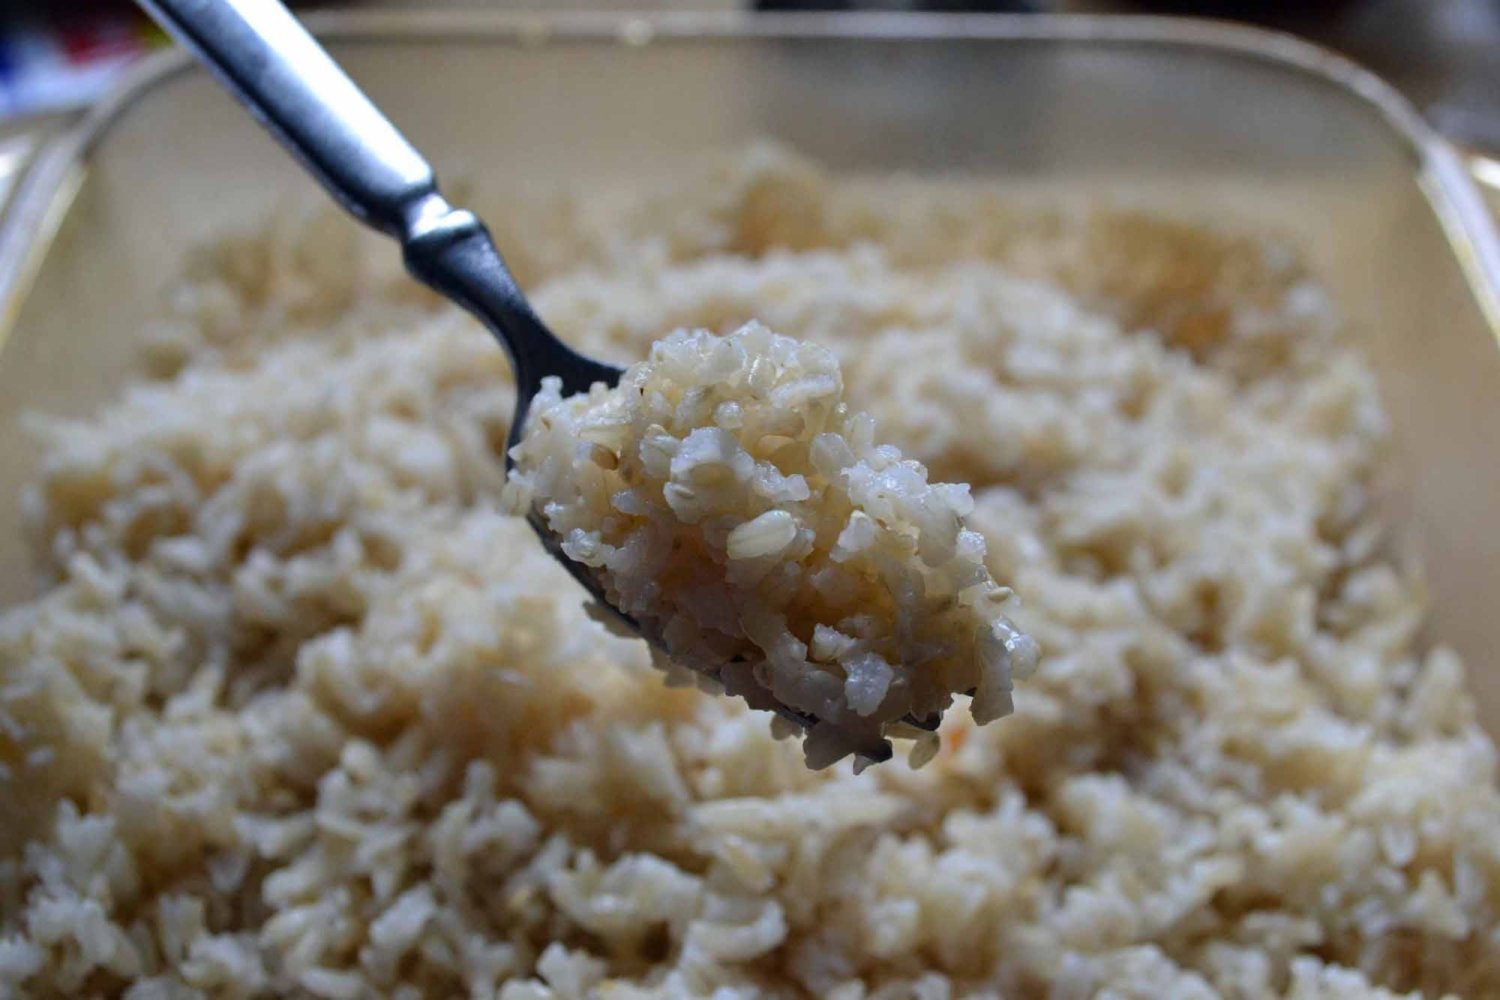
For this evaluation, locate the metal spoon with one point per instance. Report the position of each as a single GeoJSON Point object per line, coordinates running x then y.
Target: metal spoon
{"type": "Point", "coordinates": [267, 60]}
{"type": "Point", "coordinates": [263, 55]}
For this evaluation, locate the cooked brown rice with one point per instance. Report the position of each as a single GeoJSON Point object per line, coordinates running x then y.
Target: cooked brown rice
{"type": "Point", "coordinates": [300, 712]}
{"type": "Point", "coordinates": [734, 508]}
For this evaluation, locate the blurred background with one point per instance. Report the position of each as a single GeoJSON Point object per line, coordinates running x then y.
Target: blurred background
{"type": "Point", "coordinates": [58, 55]}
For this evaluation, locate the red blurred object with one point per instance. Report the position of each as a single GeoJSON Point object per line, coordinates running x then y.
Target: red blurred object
{"type": "Point", "coordinates": [98, 40]}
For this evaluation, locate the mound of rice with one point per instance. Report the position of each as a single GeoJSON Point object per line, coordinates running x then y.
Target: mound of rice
{"type": "Point", "coordinates": [734, 508]}
{"type": "Point", "coordinates": [299, 711]}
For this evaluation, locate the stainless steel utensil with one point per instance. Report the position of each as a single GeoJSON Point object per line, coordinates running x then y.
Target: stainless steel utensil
{"type": "Point", "coordinates": [264, 56]}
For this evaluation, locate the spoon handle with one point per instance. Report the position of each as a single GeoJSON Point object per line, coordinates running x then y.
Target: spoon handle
{"type": "Point", "coordinates": [264, 56]}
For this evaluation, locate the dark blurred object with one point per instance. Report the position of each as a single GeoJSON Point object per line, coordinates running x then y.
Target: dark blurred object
{"type": "Point", "coordinates": [1251, 10]}
{"type": "Point", "coordinates": [929, 6]}
{"type": "Point", "coordinates": [1443, 54]}
{"type": "Point", "coordinates": [64, 11]}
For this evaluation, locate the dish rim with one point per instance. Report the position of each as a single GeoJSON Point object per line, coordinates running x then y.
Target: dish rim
{"type": "Point", "coordinates": [44, 192]}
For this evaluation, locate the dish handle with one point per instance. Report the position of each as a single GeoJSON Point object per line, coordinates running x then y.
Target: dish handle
{"type": "Point", "coordinates": [20, 142]}
{"type": "Point", "coordinates": [1484, 167]}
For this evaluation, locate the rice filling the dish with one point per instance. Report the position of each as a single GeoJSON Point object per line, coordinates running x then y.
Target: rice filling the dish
{"type": "Point", "coordinates": [299, 709]}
